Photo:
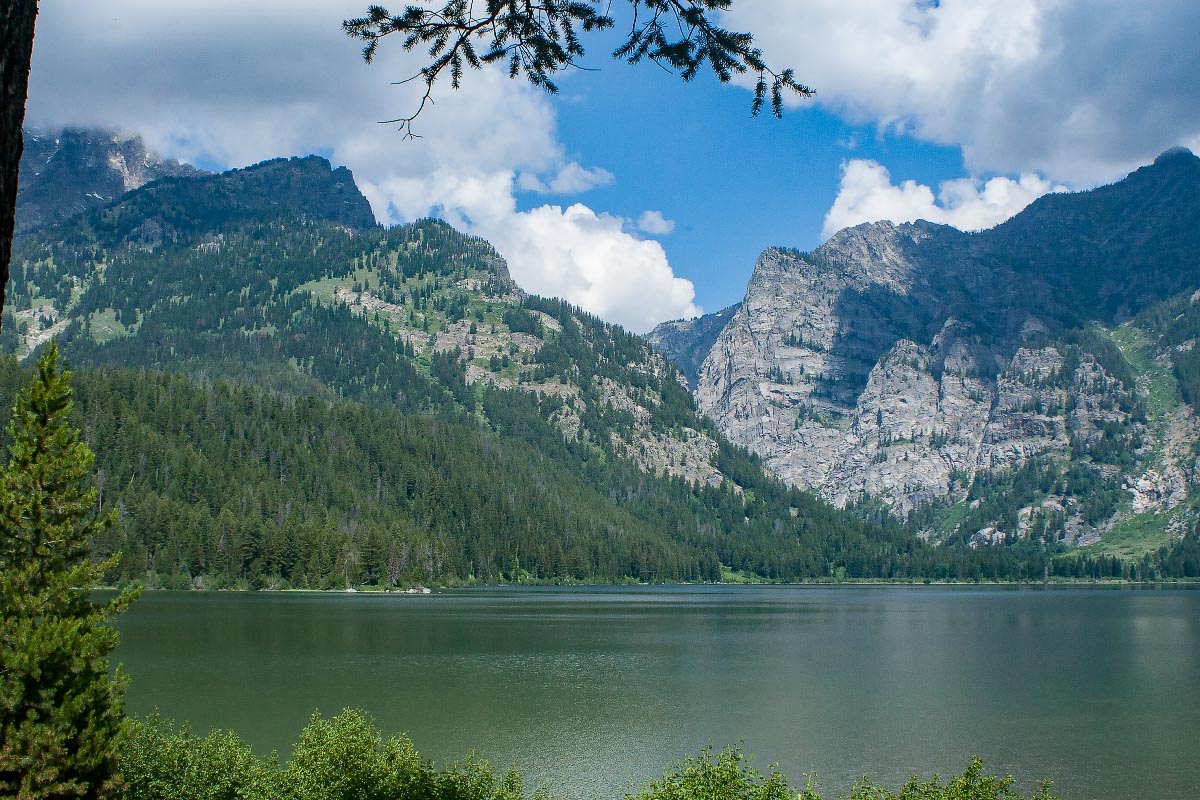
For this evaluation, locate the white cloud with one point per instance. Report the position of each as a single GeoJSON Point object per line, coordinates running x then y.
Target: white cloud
{"type": "Point", "coordinates": [570, 179]}
{"type": "Point", "coordinates": [573, 252]}
{"type": "Point", "coordinates": [867, 194]}
{"type": "Point", "coordinates": [214, 90]}
{"type": "Point", "coordinates": [1080, 90]}
{"type": "Point", "coordinates": [655, 224]}
{"type": "Point", "coordinates": [587, 257]}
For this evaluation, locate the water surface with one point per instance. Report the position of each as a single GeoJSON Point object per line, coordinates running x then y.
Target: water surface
{"type": "Point", "coordinates": [591, 691]}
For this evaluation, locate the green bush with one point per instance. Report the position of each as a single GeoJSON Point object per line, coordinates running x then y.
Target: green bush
{"type": "Point", "coordinates": [726, 775]}
{"type": "Point", "coordinates": [971, 785]}
{"type": "Point", "coordinates": [347, 758]}
{"type": "Point", "coordinates": [344, 758]}
{"type": "Point", "coordinates": [158, 762]}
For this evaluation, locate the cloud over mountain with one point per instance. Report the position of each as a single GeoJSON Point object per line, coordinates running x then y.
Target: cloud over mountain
{"type": "Point", "coordinates": [867, 194]}
{"type": "Point", "coordinates": [220, 92]}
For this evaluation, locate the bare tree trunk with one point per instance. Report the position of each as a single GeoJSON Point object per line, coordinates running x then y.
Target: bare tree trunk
{"type": "Point", "coordinates": [16, 51]}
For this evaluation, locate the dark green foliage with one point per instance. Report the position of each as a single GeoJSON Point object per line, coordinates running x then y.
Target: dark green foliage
{"type": "Point", "coordinates": [344, 758]}
{"type": "Point", "coordinates": [59, 709]}
{"type": "Point", "coordinates": [519, 320]}
{"type": "Point", "coordinates": [1187, 371]}
{"type": "Point", "coordinates": [1178, 561]}
{"type": "Point", "coordinates": [245, 488]}
{"type": "Point", "coordinates": [1176, 322]}
{"type": "Point", "coordinates": [971, 785]}
{"type": "Point", "coordinates": [1103, 349]}
{"type": "Point", "coordinates": [348, 758]}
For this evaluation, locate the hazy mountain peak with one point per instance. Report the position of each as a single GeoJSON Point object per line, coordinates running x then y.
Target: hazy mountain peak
{"type": "Point", "coordinates": [1172, 153]}
{"type": "Point", "coordinates": [68, 171]}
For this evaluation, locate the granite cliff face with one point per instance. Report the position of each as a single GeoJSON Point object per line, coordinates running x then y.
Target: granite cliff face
{"type": "Point", "coordinates": [921, 368]}
{"type": "Point", "coordinates": [64, 173]}
{"type": "Point", "coordinates": [846, 370]}
{"type": "Point", "coordinates": [686, 342]}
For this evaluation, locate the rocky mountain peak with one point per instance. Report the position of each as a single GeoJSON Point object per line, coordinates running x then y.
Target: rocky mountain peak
{"type": "Point", "coordinates": [912, 365]}
{"type": "Point", "coordinates": [171, 209]}
{"type": "Point", "coordinates": [308, 185]}
{"type": "Point", "coordinates": [686, 342]}
{"type": "Point", "coordinates": [66, 172]}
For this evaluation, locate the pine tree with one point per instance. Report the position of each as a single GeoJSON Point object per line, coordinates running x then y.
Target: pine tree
{"type": "Point", "coordinates": [60, 713]}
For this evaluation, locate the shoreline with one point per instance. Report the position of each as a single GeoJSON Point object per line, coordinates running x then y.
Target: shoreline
{"type": "Point", "coordinates": [1079, 583]}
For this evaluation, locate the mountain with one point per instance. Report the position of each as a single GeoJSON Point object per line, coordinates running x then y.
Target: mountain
{"type": "Point", "coordinates": [1024, 381]}
{"type": "Point", "coordinates": [283, 393]}
{"type": "Point", "coordinates": [66, 172]}
{"type": "Point", "coordinates": [686, 342]}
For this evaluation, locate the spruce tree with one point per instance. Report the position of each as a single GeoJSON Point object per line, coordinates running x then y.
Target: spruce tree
{"type": "Point", "coordinates": [60, 712]}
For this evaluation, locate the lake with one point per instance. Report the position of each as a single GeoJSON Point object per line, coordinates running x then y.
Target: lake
{"type": "Point", "coordinates": [590, 691]}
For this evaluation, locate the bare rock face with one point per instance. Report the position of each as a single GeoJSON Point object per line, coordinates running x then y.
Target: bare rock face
{"type": "Point", "coordinates": [686, 342]}
{"type": "Point", "coordinates": [822, 372]}
{"type": "Point", "coordinates": [898, 363]}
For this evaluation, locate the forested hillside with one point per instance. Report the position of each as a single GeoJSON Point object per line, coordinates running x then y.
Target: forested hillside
{"type": "Point", "coordinates": [282, 393]}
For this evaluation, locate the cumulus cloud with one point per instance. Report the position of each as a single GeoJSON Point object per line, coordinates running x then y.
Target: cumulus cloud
{"type": "Point", "coordinates": [655, 224]}
{"type": "Point", "coordinates": [1080, 90]}
{"type": "Point", "coordinates": [867, 194]}
{"type": "Point", "coordinates": [573, 252]}
{"type": "Point", "coordinates": [212, 91]}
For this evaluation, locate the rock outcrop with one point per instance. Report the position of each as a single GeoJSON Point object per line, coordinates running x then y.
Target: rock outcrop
{"type": "Point", "coordinates": [899, 364]}
{"type": "Point", "coordinates": [686, 342]}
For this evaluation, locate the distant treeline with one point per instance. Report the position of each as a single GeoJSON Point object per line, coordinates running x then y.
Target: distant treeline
{"type": "Point", "coordinates": [239, 487]}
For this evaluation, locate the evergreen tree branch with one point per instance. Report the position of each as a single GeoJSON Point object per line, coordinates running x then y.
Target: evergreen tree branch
{"type": "Point", "coordinates": [538, 38]}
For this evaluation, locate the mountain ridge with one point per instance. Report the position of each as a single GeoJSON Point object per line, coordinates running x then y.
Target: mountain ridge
{"type": "Point", "coordinates": [899, 363]}
{"type": "Point", "coordinates": [66, 172]}
{"type": "Point", "coordinates": [201, 281]}
{"type": "Point", "coordinates": [262, 307]}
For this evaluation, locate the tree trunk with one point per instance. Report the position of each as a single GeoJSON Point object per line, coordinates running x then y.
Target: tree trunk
{"type": "Point", "coordinates": [16, 50]}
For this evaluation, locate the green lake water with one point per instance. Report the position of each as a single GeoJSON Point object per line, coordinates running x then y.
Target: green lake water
{"type": "Point", "coordinates": [591, 691]}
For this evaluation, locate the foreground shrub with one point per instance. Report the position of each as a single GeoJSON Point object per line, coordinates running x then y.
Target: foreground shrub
{"type": "Point", "coordinates": [344, 758]}
{"type": "Point", "coordinates": [719, 776]}
{"type": "Point", "coordinates": [971, 785]}
{"type": "Point", "coordinates": [158, 762]}
{"type": "Point", "coordinates": [347, 758]}
{"type": "Point", "coordinates": [727, 775]}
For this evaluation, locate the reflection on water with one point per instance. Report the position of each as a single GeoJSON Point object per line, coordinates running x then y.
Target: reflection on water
{"type": "Point", "coordinates": [592, 691]}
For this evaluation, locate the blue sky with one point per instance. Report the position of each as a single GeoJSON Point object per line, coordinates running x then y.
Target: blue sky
{"type": "Point", "coordinates": [732, 183]}
{"type": "Point", "coordinates": [632, 194]}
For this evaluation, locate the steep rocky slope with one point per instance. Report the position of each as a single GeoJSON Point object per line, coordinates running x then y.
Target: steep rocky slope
{"type": "Point", "coordinates": [686, 342]}
{"type": "Point", "coordinates": [921, 368]}
{"type": "Point", "coordinates": [66, 172]}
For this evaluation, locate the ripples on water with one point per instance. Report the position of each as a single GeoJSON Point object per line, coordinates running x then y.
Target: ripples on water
{"type": "Point", "coordinates": [594, 690]}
